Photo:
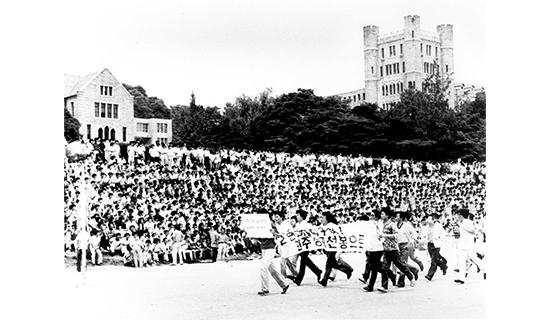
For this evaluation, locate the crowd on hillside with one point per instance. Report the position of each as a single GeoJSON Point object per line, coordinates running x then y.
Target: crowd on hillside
{"type": "Point", "coordinates": [159, 204]}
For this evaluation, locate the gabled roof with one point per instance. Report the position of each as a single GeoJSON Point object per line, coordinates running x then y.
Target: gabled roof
{"type": "Point", "coordinates": [74, 83]}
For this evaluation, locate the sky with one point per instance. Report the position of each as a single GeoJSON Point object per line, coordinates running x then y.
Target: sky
{"type": "Point", "coordinates": [223, 49]}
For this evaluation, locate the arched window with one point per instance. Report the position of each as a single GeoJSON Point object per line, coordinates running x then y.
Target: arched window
{"type": "Point", "coordinates": [413, 33]}
{"type": "Point", "coordinates": [113, 134]}
{"type": "Point", "coordinates": [100, 133]}
{"type": "Point", "coordinates": [106, 132]}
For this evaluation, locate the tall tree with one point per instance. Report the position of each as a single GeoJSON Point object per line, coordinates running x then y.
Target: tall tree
{"type": "Point", "coordinates": [72, 125]}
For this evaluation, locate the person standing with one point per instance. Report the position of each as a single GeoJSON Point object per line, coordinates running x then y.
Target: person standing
{"type": "Point", "coordinates": [329, 221]}
{"type": "Point", "coordinates": [176, 237]}
{"type": "Point", "coordinates": [82, 240]}
{"type": "Point", "coordinates": [305, 261]}
{"type": "Point", "coordinates": [223, 245]}
{"type": "Point", "coordinates": [391, 250]}
{"type": "Point", "coordinates": [214, 238]}
{"type": "Point", "coordinates": [435, 235]}
{"type": "Point", "coordinates": [267, 263]}
{"type": "Point", "coordinates": [466, 246]}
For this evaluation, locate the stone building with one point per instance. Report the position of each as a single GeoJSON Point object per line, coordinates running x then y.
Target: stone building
{"type": "Point", "coordinates": [397, 61]}
{"type": "Point", "coordinates": [105, 110]}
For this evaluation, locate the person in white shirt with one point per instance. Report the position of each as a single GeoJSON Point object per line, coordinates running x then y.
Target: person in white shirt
{"type": "Point", "coordinates": [82, 240]}
{"type": "Point", "coordinates": [466, 245]}
{"type": "Point", "coordinates": [374, 250]}
{"type": "Point", "coordinates": [435, 236]}
{"type": "Point", "coordinates": [94, 248]}
{"type": "Point", "coordinates": [406, 236]}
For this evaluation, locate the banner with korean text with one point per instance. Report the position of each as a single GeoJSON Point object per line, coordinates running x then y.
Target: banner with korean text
{"type": "Point", "coordinates": [348, 237]}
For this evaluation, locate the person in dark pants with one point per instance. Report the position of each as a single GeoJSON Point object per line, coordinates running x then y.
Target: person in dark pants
{"type": "Point", "coordinates": [435, 238]}
{"type": "Point", "coordinates": [391, 251]}
{"type": "Point", "coordinates": [214, 237]}
{"type": "Point", "coordinates": [375, 250]}
{"type": "Point", "coordinates": [329, 221]}
{"type": "Point", "coordinates": [123, 151]}
{"type": "Point", "coordinates": [406, 235]}
{"type": "Point", "coordinates": [366, 273]}
{"type": "Point", "coordinates": [305, 261]}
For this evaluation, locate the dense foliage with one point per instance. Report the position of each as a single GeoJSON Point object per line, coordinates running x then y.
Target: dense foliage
{"type": "Point", "coordinates": [147, 107]}
{"type": "Point", "coordinates": [421, 126]}
{"type": "Point", "coordinates": [71, 127]}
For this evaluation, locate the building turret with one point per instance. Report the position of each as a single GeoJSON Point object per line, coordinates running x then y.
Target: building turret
{"type": "Point", "coordinates": [372, 73]}
{"type": "Point", "coordinates": [412, 51]}
{"type": "Point", "coordinates": [446, 62]}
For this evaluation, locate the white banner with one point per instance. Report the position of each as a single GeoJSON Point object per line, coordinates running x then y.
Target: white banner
{"type": "Point", "coordinates": [256, 225]}
{"type": "Point", "coordinates": [351, 238]}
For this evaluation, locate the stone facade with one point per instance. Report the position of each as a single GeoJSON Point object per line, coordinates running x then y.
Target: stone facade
{"type": "Point", "coordinates": [105, 109]}
{"type": "Point", "coordinates": [401, 60]}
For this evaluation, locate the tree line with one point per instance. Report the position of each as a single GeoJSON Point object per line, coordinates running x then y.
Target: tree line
{"type": "Point", "coordinates": [420, 126]}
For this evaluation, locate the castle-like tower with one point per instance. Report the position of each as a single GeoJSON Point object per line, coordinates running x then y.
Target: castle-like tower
{"type": "Point", "coordinates": [397, 61]}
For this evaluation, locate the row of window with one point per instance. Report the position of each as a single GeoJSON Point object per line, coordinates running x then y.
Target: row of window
{"type": "Point", "coordinates": [163, 140]}
{"type": "Point", "coordinates": [142, 127]}
{"type": "Point", "coordinates": [106, 110]}
{"type": "Point", "coordinates": [392, 50]}
{"type": "Point", "coordinates": [355, 98]}
{"type": "Point", "coordinates": [391, 69]}
{"type": "Point", "coordinates": [162, 127]}
{"type": "Point", "coordinates": [431, 68]}
{"type": "Point", "coordinates": [105, 133]}
{"type": "Point", "coordinates": [388, 106]}
{"type": "Point", "coordinates": [391, 89]}
{"type": "Point", "coordinates": [105, 90]}
{"type": "Point", "coordinates": [394, 53]}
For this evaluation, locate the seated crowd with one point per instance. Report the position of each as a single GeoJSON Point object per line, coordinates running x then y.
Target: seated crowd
{"type": "Point", "coordinates": [161, 204]}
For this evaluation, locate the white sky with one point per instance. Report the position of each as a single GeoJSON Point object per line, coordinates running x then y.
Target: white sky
{"type": "Point", "coordinates": [222, 49]}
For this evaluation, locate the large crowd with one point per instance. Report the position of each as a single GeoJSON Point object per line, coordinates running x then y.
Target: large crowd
{"type": "Point", "coordinates": [155, 204]}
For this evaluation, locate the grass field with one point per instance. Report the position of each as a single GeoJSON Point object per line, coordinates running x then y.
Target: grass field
{"type": "Point", "coordinates": [228, 291]}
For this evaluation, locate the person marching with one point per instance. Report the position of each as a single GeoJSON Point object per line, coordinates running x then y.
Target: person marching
{"type": "Point", "coordinates": [406, 238]}
{"type": "Point", "coordinates": [305, 261]}
{"type": "Point", "coordinates": [329, 221]}
{"type": "Point", "coordinates": [374, 251]}
{"type": "Point", "coordinates": [391, 251]}
{"type": "Point", "coordinates": [289, 262]}
{"type": "Point", "coordinates": [466, 246]}
{"type": "Point", "coordinates": [435, 235]}
{"type": "Point", "coordinates": [267, 263]}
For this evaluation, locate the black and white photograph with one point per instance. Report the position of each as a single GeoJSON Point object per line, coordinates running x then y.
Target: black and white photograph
{"type": "Point", "coordinates": [275, 160]}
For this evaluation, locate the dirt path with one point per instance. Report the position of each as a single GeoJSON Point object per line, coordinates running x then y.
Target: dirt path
{"type": "Point", "coordinates": [228, 291]}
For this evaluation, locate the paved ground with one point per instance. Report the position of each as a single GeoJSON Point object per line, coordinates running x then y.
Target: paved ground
{"type": "Point", "coordinates": [228, 291]}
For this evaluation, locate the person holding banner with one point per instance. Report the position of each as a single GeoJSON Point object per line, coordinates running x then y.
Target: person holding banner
{"type": "Point", "coordinates": [267, 263]}
{"type": "Point", "coordinates": [288, 262]}
{"type": "Point", "coordinates": [329, 221]}
{"type": "Point", "coordinates": [305, 261]}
